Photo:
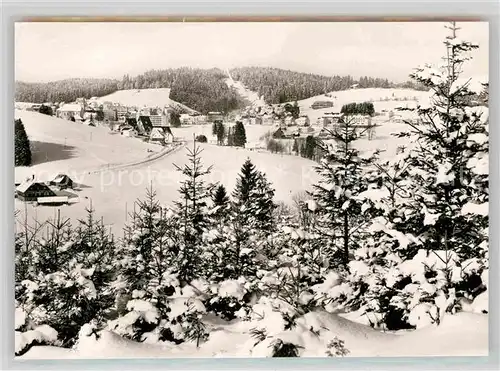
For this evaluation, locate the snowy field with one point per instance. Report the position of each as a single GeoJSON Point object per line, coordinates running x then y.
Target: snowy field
{"type": "Point", "coordinates": [144, 97]}
{"type": "Point", "coordinates": [64, 146]}
{"type": "Point", "coordinates": [253, 132]}
{"type": "Point", "coordinates": [463, 334]}
{"type": "Point", "coordinates": [252, 97]}
{"type": "Point", "coordinates": [405, 98]}
{"type": "Point", "coordinates": [113, 192]}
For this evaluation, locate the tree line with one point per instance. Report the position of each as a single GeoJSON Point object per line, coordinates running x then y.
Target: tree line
{"type": "Point", "coordinates": [204, 90]}
{"type": "Point", "coordinates": [64, 90]}
{"type": "Point", "coordinates": [365, 108]}
{"type": "Point", "coordinates": [231, 136]}
{"type": "Point", "coordinates": [280, 86]}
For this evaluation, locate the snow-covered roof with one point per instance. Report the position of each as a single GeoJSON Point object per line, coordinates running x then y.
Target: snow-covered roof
{"type": "Point", "coordinates": [23, 187]}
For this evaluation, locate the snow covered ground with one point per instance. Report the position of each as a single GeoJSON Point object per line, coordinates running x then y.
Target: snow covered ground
{"type": "Point", "coordinates": [145, 97]}
{"type": "Point", "coordinates": [382, 99]}
{"type": "Point", "coordinates": [462, 334]}
{"type": "Point", "coordinates": [252, 97]}
{"type": "Point", "coordinates": [253, 132]}
{"type": "Point", "coordinates": [114, 192]}
{"type": "Point", "coordinates": [64, 146]}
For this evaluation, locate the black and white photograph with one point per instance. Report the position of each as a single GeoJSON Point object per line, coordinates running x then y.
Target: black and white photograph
{"type": "Point", "coordinates": [222, 189]}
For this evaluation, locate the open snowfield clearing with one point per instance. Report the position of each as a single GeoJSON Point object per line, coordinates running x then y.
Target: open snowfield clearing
{"type": "Point", "coordinates": [144, 97]}
{"type": "Point", "coordinates": [463, 334]}
{"type": "Point", "coordinates": [64, 146]}
{"type": "Point", "coordinates": [253, 132]}
{"type": "Point", "coordinates": [251, 96]}
{"type": "Point", "coordinates": [405, 98]}
{"type": "Point", "coordinates": [113, 192]}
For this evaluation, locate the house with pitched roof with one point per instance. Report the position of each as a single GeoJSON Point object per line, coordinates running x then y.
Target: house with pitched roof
{"type": "Point", "coordinates": [31, 191]}
{"type": "Point", "coordinates": [71, 110]}
{"type": "Point", "coordinates": [161, 135]}
{"type": "Point", "coordinates": [62, 181]}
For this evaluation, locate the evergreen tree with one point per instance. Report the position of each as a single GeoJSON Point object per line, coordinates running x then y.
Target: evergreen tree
{"type": "Point", "coordinates": [175, 120]}
{"type": "Point", "coordinates": [147, 264]}
{"type": "Point", "coordinates": [21, 145]}
{"type": "Point", "coordinates": [144, 238]}
{"type": "Point", "coordinates": [309, 147]}
{"type": "Point", "coordinates": [435, 211]}
{"type": "Point", "coordinates": [239, 138]}
{"type": "Point", "coordinates": [253, 198]}
{"type": "Point", "coordinates": [236, 243]}
{"type": "Point", "coordinates": [295, 110]}
{"type": "Point", "coordinates": [220, 197]}
{"type": "Point", "coordinates": [191, 210]}
{"type": "Point", "coordinates": [219, 130]}
{"type": "Point", "coordinates": [99, 116]}
{"type": "Point", "coordinates": [46, 110]}
{"type": "Point", "coordinates": [69, 283]}
{"type": "Point", "coordinates": [452, 136]}
{"type": "Point", "coordinates": [337, 194]}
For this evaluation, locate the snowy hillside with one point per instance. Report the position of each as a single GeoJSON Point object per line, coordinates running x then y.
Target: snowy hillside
{"type": "Point", "coordinates": [145, 97]}
{"type": "Point", "coordinates": [252, 97]}
{"type": "Point", "coordinates": [383, 99]}
{"type": "Point", "coordinates": [253, 132]}
{"type": "Point", "coordinates": [116, 191]}
{"type": "Point", "coordinates": [61, 145]}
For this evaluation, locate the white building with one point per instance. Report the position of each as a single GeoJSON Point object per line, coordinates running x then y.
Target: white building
{"type": "Point", "coordinates": [129, 132]}
{"type": "Point", "coordinates": [71, 110]}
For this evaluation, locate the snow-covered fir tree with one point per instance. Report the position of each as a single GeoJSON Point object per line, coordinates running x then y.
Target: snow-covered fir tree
{"type": "Point", "coordinates": [70, 280]}
{"type": "Point", "coordinates": [253, 198]}
{"type": "Point", "coordinates": [429, 249]}
{"type": "Point", "coordinates": [191, 214]}
{"type": "Point", "coordinates": [342, 212]}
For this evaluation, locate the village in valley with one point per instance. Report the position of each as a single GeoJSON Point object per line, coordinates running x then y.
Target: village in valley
{"type": "Point", "coordinates": [255, 211]}
{"type": "Point", "coordinates": [283, 126]}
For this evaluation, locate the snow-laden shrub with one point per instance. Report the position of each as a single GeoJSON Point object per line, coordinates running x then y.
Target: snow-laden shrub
{"type": "Point", "coordinates": [68, 283]}
{"type": "Point", "coordinates": [280, 331]}
{"type": "Point", "coordinates": [173, 315]}
{"type": "Point", "coordinates": [336, 348]}
{"type": "Point", "coordinates": [411, 293]}
{"type": "Point", "coordinates": [230, 298]}
{"type": "Point", "coordinates": [40, 335]}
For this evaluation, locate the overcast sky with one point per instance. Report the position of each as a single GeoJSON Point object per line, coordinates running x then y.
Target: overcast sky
{"type": "Point", "coordinates": [54, 51]}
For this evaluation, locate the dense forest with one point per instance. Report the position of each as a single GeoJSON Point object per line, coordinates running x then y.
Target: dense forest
{"type": "Point", "coordinates": [201, 89]}
{"type": "Point", "coordinates": [64, 90]}
{"type": "Point", "coordinates": [279, 86]}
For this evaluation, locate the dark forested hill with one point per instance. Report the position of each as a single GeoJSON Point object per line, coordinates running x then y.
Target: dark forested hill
{"type": "Point", "coordinates": [64, 90]}
{"type": "Point", "coordinates": [202, 90]}
{"type": "Point", "coordinates": [279, 86]}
